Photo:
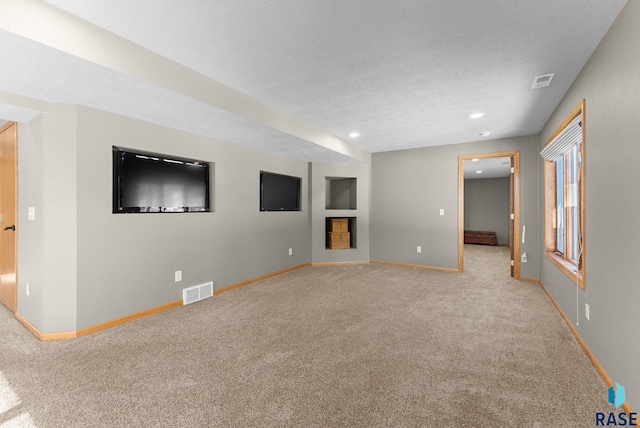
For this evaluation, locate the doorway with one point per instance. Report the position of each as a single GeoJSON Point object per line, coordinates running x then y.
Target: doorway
{"type": "Point", "coordinates": [513, 169]}
{"type": "Point", "coordinates": [8, 203]}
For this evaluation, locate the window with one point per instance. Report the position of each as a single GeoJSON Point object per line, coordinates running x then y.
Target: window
{"type": "Point", "coordinates": [565, 196]}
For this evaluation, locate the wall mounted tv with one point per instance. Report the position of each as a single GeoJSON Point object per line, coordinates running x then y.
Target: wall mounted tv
{"type": "Point", "coordinates": [146, 182]}
{"type": "Point", "coordinates": [279, 192]}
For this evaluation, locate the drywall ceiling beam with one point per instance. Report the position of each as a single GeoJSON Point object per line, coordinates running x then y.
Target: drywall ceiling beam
{"type": "Point", "coordinates": [58, 29]}
{"type": "Point", "coordinates": [18, 108]}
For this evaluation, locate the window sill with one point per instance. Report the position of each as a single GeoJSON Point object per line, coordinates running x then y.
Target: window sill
{"type": "Point", "coordinates": [567, 268]}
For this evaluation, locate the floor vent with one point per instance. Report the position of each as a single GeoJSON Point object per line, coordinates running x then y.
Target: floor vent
{"type": "Point", "coordinates": [198, 292]}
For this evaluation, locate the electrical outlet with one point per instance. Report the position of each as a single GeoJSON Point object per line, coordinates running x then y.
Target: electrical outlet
{"type": "Point", "coordinates": [291, 251]}
{"type": "Point", "coordinates": [419, 249]}
{"type": "Point", "coordinates": [586, 311]}
{"type": "Point", "coordinates": [178, 275]}
{"type": "Point", "coordinates": [26, 289]}
{"type": "Point", "coordinates": [441, 211]}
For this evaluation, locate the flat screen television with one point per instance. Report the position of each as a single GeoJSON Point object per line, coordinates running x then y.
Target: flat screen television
{"type": "Point", "coordinates": [146, 182]}
{"type": "Point", "coordinates": [279, 192]}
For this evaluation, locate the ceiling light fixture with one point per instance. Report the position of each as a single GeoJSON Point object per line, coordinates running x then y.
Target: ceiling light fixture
{"type": "Point", "coordinates": [354, 135]}
{"type": "Point", "coordinates": [476, 115]}
{"type": "Point", "coordinates": [478, 172]}
{"type": "Point", "coordinates": [485, 133]}
{"type": "Point", "coordinates": [475, 160]}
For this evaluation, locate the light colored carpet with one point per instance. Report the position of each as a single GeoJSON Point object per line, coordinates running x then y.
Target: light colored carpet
{"type": "Point", "coordinates": [342, 346]}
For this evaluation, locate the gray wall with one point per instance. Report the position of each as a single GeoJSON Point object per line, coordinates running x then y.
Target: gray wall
{"type": "Point", "coordinates": [86, 265]}
{"type": "Point", "coordinates": [486, 206]}
{"type": "Point", "coordinates": [610, 84]}
{"type": "Point", "coordinates": [409, 187]}
{"type": "Point", "coordinates": [47, 249]}
{"type": "Point", "coordinates": [341, 193]}
{"type": "Point", "coordinates": [319, 172]}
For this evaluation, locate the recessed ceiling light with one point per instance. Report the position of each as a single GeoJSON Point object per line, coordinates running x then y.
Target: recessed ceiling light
{"type": "Point", "coordinates": [485, 133]}
{"type": "Point", "coordinates": [478, 172]}
{"type": "Point", "coordinates": [354, 135]}
{"type": "Point", "coordinates": [475, 160]}
{"type": "Point", "coordinates": [476, 115]}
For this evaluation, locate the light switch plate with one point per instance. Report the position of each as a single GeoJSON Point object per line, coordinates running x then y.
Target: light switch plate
{"type": "Point", "coordinates": [587, 315]}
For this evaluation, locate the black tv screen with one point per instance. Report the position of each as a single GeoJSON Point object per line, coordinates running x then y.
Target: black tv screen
{"type": "Point", "coordinates": [279, 192]}
{"type": "Point", "coordinates": [154, 183]}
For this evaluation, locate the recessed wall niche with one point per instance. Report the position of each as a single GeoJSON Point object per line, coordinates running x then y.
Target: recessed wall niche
{"type": "Point", "coordinates": [340, 193]}
{"type": "Point", "coordinates": [341, 233]}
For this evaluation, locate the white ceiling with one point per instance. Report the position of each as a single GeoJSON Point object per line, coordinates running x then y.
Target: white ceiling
{"type": "Point", "coordinates": [402, 73]}
{"type": "Point", "coordinates": [490, 167]}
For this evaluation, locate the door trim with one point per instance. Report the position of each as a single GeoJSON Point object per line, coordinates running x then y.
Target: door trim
{"type": "Point", "coordinates": [12, 303]}
{"type": "Point", "coordinates": [515, 155]}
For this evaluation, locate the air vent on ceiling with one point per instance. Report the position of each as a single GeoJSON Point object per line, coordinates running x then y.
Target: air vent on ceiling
{"type": "Point", "coordinates": [542, 81]}
{"type": "Point", "coordinates": [198, 292]}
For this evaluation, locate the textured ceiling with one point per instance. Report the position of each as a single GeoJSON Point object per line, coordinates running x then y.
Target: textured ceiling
{"type": "Point", "coordinates": [402, 73]}
{"type": "Point", "coordinates": [490, 167]}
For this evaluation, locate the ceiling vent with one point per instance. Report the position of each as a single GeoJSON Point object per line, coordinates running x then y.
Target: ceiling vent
{"type": "Point", "coordinates": [542, 81]}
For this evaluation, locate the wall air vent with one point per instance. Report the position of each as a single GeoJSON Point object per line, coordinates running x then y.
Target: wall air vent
{"type": "Point", "coordinates": [198, 292]}
{"type": "Point", "coordinates": [542, 81]}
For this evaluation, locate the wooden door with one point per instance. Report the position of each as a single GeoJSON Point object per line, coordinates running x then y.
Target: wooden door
{"type": "Point", "coordinates": [8, 202]}
{"type": "Point", "coordinates": [512, 246]}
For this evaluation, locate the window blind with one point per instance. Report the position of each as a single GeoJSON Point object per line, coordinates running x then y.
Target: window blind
{"type": "Point", "coordinates": [569, 137]}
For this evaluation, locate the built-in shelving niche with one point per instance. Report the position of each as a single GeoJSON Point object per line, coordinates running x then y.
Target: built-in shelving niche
{"type": "Point", "coordinates": [340, 193]}
{"type": "Point", "coordinates": [334, 232]}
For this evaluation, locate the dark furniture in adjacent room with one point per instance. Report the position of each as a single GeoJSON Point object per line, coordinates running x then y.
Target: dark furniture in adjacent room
{"type": "Point", "coordinates": [480, 237]}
